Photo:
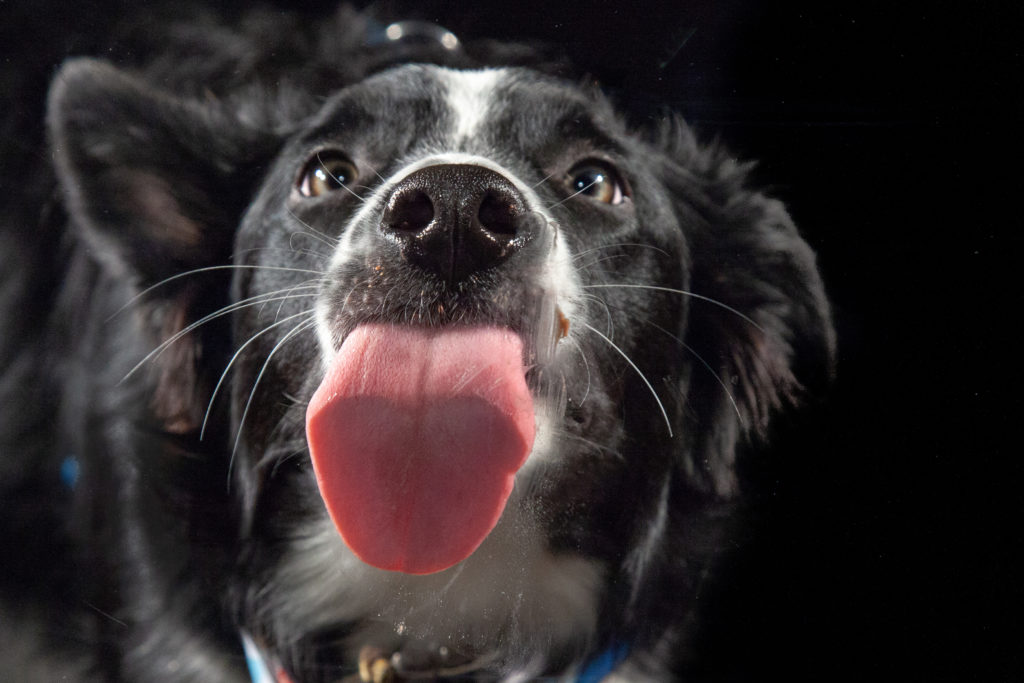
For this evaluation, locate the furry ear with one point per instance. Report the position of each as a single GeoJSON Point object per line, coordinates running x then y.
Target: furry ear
{"type": "Point", "coordinates": [769, 336]}
{"type": "Point", "coordinates": [155, 186]}
{"type": "Point", "coordinates": [156, 183]}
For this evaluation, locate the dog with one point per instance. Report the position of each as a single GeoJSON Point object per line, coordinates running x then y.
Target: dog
{"type": "Point", "coordinates": [365, 354]}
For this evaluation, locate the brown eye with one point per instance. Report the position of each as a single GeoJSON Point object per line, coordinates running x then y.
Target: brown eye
{"type": "Point", "coordinates": [326, 172]}
{"type": "Point", "coordinates": [596, 180]}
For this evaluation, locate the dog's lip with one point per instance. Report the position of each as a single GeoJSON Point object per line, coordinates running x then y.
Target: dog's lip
{"type": "Point", "coordinates": [560, 330]}
{"type": "Point", "coordinates": [353, 325]}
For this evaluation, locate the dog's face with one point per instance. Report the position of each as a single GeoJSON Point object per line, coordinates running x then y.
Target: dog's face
{"type": "Point", "coordinates": [462, 203]}
{"type": "Point", "coordinates": [490, 350]}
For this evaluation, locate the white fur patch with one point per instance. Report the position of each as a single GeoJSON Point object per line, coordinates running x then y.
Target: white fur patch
{"type": "Point", "coordinates": [469, 97]}
{"type": "Point", "coordinates": [510, 591]}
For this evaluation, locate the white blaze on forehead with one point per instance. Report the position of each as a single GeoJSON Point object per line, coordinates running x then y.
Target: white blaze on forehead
{"type": "Point", "coordinates": [469, 96]}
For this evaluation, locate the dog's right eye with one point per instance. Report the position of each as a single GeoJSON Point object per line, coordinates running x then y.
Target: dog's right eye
{"type": "Point", "coordinates": [326, 172]}
{"type": "Point", "coordinates": [597, 180]}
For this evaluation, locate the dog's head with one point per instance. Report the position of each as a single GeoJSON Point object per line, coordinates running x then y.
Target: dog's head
{"type": "Point", "coordinates": [489, 348]}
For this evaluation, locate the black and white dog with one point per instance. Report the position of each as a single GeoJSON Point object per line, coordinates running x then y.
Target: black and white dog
{"type": "Point", "coordinates": [364, 369]}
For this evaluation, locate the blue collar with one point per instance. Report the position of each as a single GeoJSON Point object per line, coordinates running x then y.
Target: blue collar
{"type": "Point", "coordinates": [262, 670]}
{"type": "Point", "coordinates": [603, 664]}
{"type": "Point", "coordinates": [259, 666]}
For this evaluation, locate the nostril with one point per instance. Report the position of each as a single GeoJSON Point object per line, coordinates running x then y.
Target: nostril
{"type": "Point", "coordinates": [410, 212]}
{"type": "Point", "coordinates": [497, 214]}
{"type": "Point", "coordinates": [454, 220]}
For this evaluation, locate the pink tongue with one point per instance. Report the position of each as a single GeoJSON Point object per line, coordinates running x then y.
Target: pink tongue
{"type": "Point", "coordinates": [416, 436]}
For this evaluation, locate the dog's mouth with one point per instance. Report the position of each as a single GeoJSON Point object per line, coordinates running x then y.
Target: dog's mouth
{"type": "Point", "coordinates": [416, 435]}
{"type": "Point", "coordinates": [447, 314]}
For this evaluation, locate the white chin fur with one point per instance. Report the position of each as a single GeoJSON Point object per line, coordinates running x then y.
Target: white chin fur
{"type": "Point", "coordinates": [512, 592]}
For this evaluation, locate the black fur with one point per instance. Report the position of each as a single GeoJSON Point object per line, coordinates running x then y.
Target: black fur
{"type": "Point", "coordinates": [174, 537]}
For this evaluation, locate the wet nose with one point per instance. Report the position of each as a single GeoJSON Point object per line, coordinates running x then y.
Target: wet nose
{"type": "Point", "coordinates": [454, 220]}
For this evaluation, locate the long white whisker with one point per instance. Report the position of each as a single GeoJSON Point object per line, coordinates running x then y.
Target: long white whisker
{"type": "Point", "coordinates": [324, 237]}
{"type": "Point", "coordinates": [582, 189]}
{"type": "Point", "coordinates": [291, 248]}
{"type": "Point", "coordinates": [338, 180]}
{"type": "Point", "coordinates": [207, 269]}
{"type": "Point", "coordinates": [683, 292]}
{"type": "Point", "coordinates": [300, 327]}
{"type": "Point", "coordinates": [542, 181]}
{"type": "Point", "coordinates": [707, 365]}
{"type": "Point", "coordinates": [586, 365]}
{"type": "Point", "coordinates": [607, 310]}
{"type": "Point", "coordinates": [616, 246]}
{"type": "Point", "coordinates": [609, 257]}
{"type": "Point", "coordinates": [382, 178]}
{"type": "Point", "coordinates": [261, 299]}
{"type": "Point", "coordinates": [351, 291]}
{"type": "Point", "coordinates": [291, 295]}
{"type": "Point", "coordinates": [250, 340]}
{"type": "Point", "coordinates": [622, 353]}
{"type": "Point", "coordinates": [593, 444]}
{"type": "Point", "coordinates": [309, 252]}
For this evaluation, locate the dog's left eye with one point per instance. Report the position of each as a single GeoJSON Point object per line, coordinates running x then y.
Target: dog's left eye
{"type": "Point", "coordinates": [597, 180]}
{"type": "Point", "coordinates": [326, 172]}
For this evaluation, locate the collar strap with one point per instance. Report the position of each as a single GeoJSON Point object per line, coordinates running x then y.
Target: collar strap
{"type": "Point", "coordinates": [265, 669]}
{"type": "Point", "coordinates": [603, 664]}
{"type": "Point", "coordinates": [262, 669]}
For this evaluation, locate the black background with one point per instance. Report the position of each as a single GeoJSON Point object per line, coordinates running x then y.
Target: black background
{"type": "Point", "coordinates": [883, 521]}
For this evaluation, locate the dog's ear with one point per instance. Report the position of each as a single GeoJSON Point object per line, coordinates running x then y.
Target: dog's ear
{"type": "Point", "coordinates": [156, 182]}
{"type": "Point", "coordinates": [760, 320]}
{"type": "Point", "coordinates": [155, 186]}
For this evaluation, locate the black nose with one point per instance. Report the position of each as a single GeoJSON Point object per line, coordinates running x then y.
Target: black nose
{"type": "Point", "coordinates": [457, 219]}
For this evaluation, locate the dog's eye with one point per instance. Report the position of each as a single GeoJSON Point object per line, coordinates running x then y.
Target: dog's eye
{"type": "Point", "coordinates": [326, 172]}
{"type": "Point", "coordinates": [597, 180]}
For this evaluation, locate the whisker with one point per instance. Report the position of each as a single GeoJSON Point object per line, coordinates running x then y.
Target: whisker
{"type": "Point", "coordinates": [582, 189]}
{"type": "Point", "coordinates": [300, 327]}
{"type": "Point", "coordinates": [324, 237]}
{"type": "Point", "coordinates": [542, 180]}
{"type": "Point", "coordinates": [621, 244]}
{"type": "Point", "coordinates": [277, 459]}
{"type": "Point", "coordinates": [707, 365]}
{"type": "Point", "coordinates": [290, 250]}
{"type": "Point", "coordinates": [607, 310]}
{"type": "Point", "coordinates": [352, 290]}
{"type": "Point", "coordinates": [338, 180]}
{"type": "Point", "coordinates": [207, 269]}
{"type": "Point", "coordinates": [284, 299]}
{"type": "Point", "coordinates": [216, 389]}
{"type": "Point", "coordinates": [261, 299]}
{"type": "Point", "coordinates": [716, 302]}
{"type": "Point", "coordinates": [308, 252]}
{"type": "Point", "coordinates": [622, 353]}
{"type": "Point", "coordinates": [609, 257]}
{"type": "Point", "coordinates": [564, 434]}
{"type": "Point", "coordinates": [382, 178]}
{"type": "Point", "coordinates": [586, 365]}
